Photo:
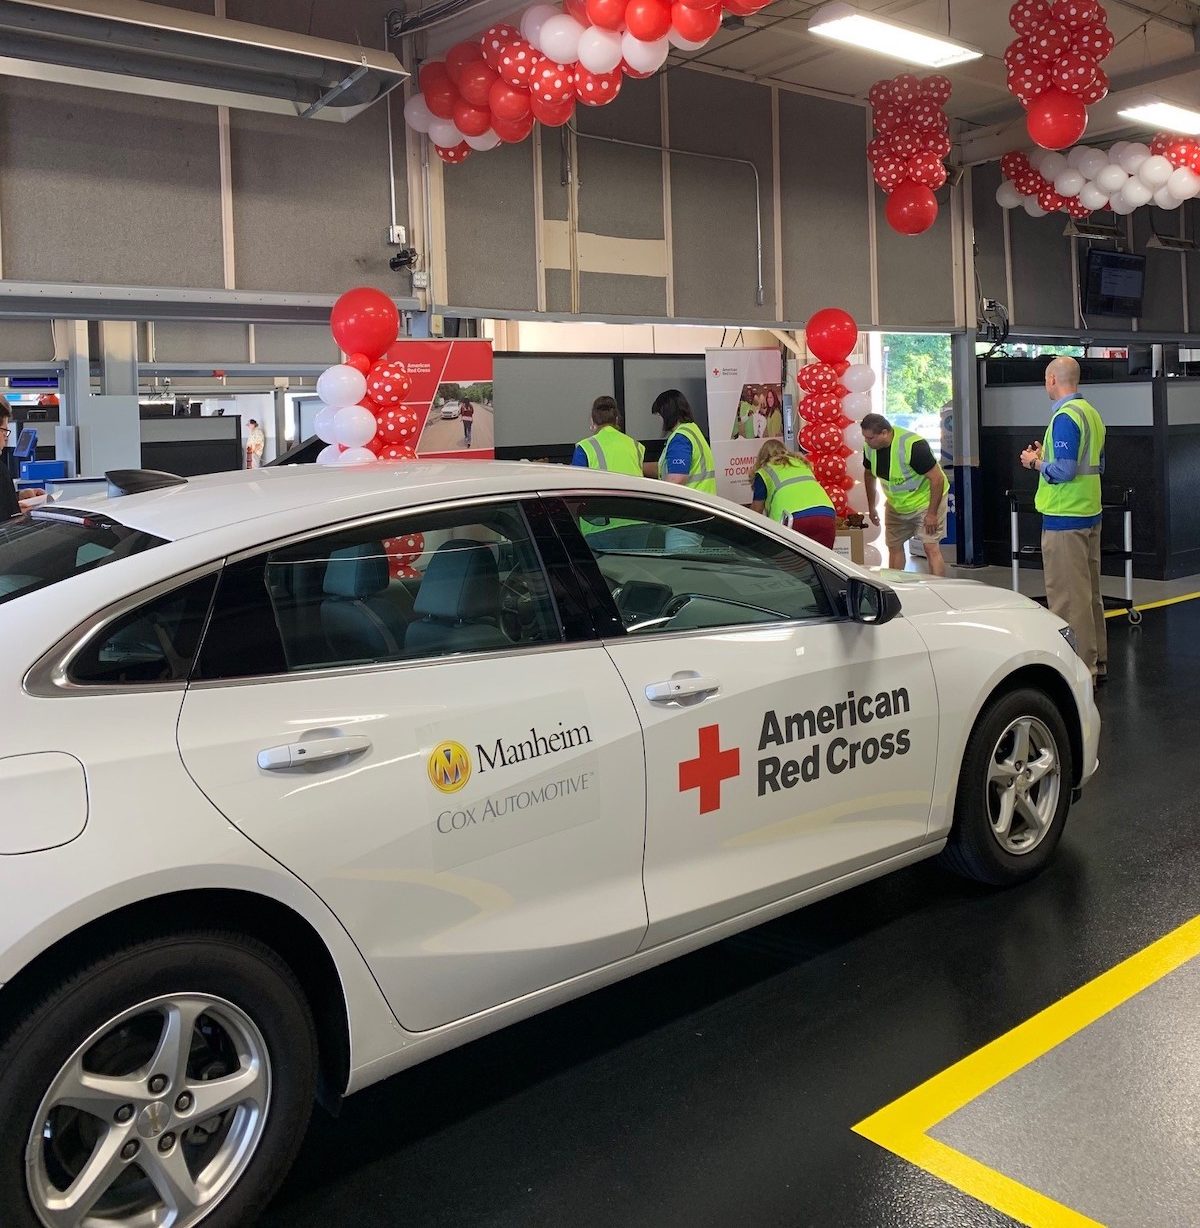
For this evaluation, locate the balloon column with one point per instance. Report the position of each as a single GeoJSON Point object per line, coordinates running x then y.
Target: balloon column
{"type": "Point", "coordinates": [911, 139]}
{"type": "Point", "coordinates": [491, 88]}
{"type": "Point", "coordinates": [1054, 66]}
{"type": "Point", "coordinates": [836, 397]}
{"type": "Point", "coordinates": [364, 418]}
{"type": "Point", "coordinates": [1164, 173]}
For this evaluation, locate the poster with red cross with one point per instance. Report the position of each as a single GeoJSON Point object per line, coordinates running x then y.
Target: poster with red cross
{"type": "Point", "coordinates": [453, 395]}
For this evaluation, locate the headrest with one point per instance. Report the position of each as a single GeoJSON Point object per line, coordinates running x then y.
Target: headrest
{"type": "Point", "coordinates": [357, 571]}
{"type": "Point", "coordinates": [461, 583]}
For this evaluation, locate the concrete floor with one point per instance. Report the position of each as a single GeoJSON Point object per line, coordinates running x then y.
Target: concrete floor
{"type": "Point", "coordinates": [722, 1089]}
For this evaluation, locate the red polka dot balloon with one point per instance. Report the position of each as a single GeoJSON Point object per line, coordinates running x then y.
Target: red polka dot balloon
{"type": "Point", "coordinates": [906, 89]}
{"type": "Point", "coordinates": [1032, 51]}
{"type": "Point", "coordinates": [829, 469]}
{"type": "Point", "coordinates": [1053, 40]}
{"type": "Point", "coordinates": [1016, 56]}
{"type": "Point", "coordinates": [1094, 39]}
{"type": "Point", "coordinates": [904, 142]}
{"type": "Point", "coordinates": [494, 43]}
{"type": "Point", "coordinates": [818, 377]}
{"type": "Point", "coordinates": [1013, 164]}
{"type": "Point", "coordinates": [1097, 91]}
{"type": "Point", "coordinates": [399, 427]}
{"type": "Point", "coordinates": [889, 117]}
{"type": "Point", "coordinates": [1049, 199]}
{"type": "Point", "coordinates": [1074, 72]}
{"type": "Point", "coordinates": [890, 172]}
{"type": "Point", "coordinates": [937, 88]}
{"type": "Point", "coordinates": [519, 63]}
{"type": "Point", "coordinates": [880, 93]}
{"type": "Point", "coordinates": [402, 553]}
{"type": "Point", "coordinates": [1030, 81]}
{"type": "Point", "coordinates": [595, 89]}
{"type": "Point", "coordinates": [877, 147]}
{"type": "Point", "coordinates": [821, 407]}
{"type": "Point", "coordinates": [553, 83]}
{"type": "Point", "coordinates": [1075, 12]}
{"type": "Point", "coordinates": [1028, 15]}
{"type": "Point", "coordinates": [456, 155]}
{"type": "Point", "coordinates": [928, 171]}
{"type": "Point", "coordinates": [398, 452]}
{"type": "Point", "coordinates": [388, 383]}
{"type": "Point", "coordinates": [938, 144]}
{"type": "Point", "coordinates": [925, 114]}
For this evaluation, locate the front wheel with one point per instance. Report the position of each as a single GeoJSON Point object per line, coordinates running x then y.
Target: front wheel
{"type": "Point", "coordinates": [1014, 791]}
{"type": "Point", "coordinates": [165, 1085]}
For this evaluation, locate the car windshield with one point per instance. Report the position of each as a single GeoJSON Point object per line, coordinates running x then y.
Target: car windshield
{"type": "Point", "coordinates": [45, 547]}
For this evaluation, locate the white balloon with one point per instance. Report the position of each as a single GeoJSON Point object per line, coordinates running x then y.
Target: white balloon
{"type": "Point", "coordinates": [1092, 163]}
{"type": "Point", "coordinates": [341, 385]}
{"type": "Point", "coordinates": [445, 133]}
{"type": "Point", "coordinates": [1165, 199]}
{"type": "Point", "coordinates": [560, 38]}
{"type": "Point", "coordinates": [1132, 156]}
{"type": "Point", "coordinates": [1111, 180]}
{"type": "Point", "coordinates": [1093, 197]}
{"type": "Point", "coordinates": [1008, 195]}
{"type": "Point", "coordinates": [684, 44]}
{"type": "Point", "coordinates": [357, 456]}
{"type": "Point", "coordinates": [1184, 184]}
{"type": "Point", "coordinates": [1076, 156]}
{"type": "Point", "coordinates": [1053, 165]}
{"type": "Point", "coordinates": [323, 424]}
{"type": "Point", "coordinates": [1155, 171]}
{"type": "Point", "coordinates": [600, 50]}
{"type": "Point", "coordinates": [854, 441]}
{"type": "Point", "coordinates": [1115, 151]}
{"type": "Point", "coordinates": [329, 455]}
{"type": "Point", "coordinates": [855, 404]}
{"type": "Point", "coordinates": [1120, 206]}
{"type": "Point", "coordinates": [417, 114]}
{"type": "Point", "coordinates": [534, 19]}
{"type": "Point", "coordinates": [1033, 208]}
{"type": "Point", "coordinates": [1069, 183]}
{"type": "Point", "coordinates": [489, 140]}
{"type": "Point", "coordinates": [1136, 194]}
{"type": "Point", "coordinates": [644, 57]}
{"type": "Point", "coordinates": [355, 425]}
{"type": "Point", "coordinates": [1036, 158]}
{"type": "Point", "coordinates": [859, 378]}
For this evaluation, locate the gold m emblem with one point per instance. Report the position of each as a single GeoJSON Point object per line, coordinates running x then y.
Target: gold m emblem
{"type": "Point", "coordinates": [449, 767]}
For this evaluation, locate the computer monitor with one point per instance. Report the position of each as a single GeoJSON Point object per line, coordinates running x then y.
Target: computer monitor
{"type": "Point", "coordinates": [26, 448]}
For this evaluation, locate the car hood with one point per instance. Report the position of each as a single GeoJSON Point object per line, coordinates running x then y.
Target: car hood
{"type": "Point", "coordinates": [957, 594]}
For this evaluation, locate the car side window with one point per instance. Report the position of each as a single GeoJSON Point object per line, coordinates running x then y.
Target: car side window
{"type": "Point", "coordinates": [155, 643]}
{"type": "Point", "coordinates": [424, 585]}
{"type": "Point", "coordinates": [677, 567]}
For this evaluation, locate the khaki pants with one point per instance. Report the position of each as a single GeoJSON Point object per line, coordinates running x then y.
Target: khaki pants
{"type": "Point", "coordinates": [1071, 559]}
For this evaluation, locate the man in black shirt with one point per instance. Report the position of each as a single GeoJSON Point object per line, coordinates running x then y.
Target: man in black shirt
{"type": "Point", "coordinates": [10, 501]}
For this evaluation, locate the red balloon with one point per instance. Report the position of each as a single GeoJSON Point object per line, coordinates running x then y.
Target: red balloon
{"type": "Point", "coordinates": [399, 427]}
{"type": "Point", "coordinates": [648, 20]}
{"type": "Point", "coordinates": [1057, 120]}
{"type": "Point", "coordinates": [360, 362]}
{"type": "Point", "coordinates": [553, 115]}
{"type": "Point", "coordinates": [471, 121]}
{"type": "Point", "coordinates": [937, 88]}
{"type": "Point", "coordinates": [1053, 40]}
{"type": "Point", "coordinates": [364, 321]}
{"type": "Point", "coordinates": [553, 83]}
{"type": "Point", "coordinates": [459, 56]}
{"type": "Point", "coordinates": [1012, 164]}
{"type": "Point", "coordinates": [928, 171]}
{"type": "Point", "coordinates": [475, 83]}
{"type": "Point", "coordinates": [508, 102]}
{"type": "Point", "coordinates": [697, 25]}
{"type": "Point", "coordinates": [890, 172]}
{"type": "Point", "coordinates": [493, 43]}
{"type": "Point", "coordinates": [597, 89]}
{"type": "Point", "coordinates": [829, 469]}
{"type": "Point", "coordinates": [1032, 80]}
{"type": "Point", "coordinates": [904, 142]}
{"type": "Point", "coordinates": [399, 452]}
{"type": "Point", "coordinates": [1032, 51]}
{"type": "Point", "coordinates": [906, 89]}
{"type": "Point", "coordinates": [1097, 91]}
{"type": "Point", "coordinates": [1028, 15]}
{"type": "Point", "coordinates": [1075, 72]}
{"type": "Point", "coordinates": [821, 407]}
{"type": "Point", "coordinates": [1077, 209]}
{"type": "Point", "coordinates": [519, 62]}
{"type": "Point", "coordinates": [745, 8]}
{"type": "Point", "coordinates": [441, 97]}
{"type": "Point", "coordinates": [634, 73]}
{"type": "Point", "coordinates": [817, 377]}
{"type": "Point", "coordinates": [1049, 199]}
{"type": "Point", "coordinates": [1093, 39]}
{"type": "Point", "coordinates": [607, 14]}
{"type": "Point", "coordinates": [454, 154]}
{"type": "Point", "coordinates": [578, 10]}
{"type": "Point", "coordinates": [388, 384]}
{"type": "Point", "coordinates": [880, 93]}
{"type": "Point", "coordinates": [877, 147]}
{"type": "Point", "coordinates": [889, 116]}
{"type": "Point", "coordinates": [831, 334]}
{"type": "Point", "coordinates": [938, 144]}
{"type": "Point", "coordinates": [513, 131]}
{"type": "Point", "coordinates": [911, 209]}
{"type": "Point", "coordinates": [376, 445]}
{"type": "Point", "coordinates": [1075, 12]}
{"type": "Point", "coordinates": [841, 504]}
{"type": "Point", "coordinates": [925, 115]}
{"type": "Point", "coordinates": [431, 72]}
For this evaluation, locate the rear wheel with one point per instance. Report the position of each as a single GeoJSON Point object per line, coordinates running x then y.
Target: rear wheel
{"type": "Point", "coordinates": [164, 1086]}
{"type": "Point", "coordinates": [1014, 791]}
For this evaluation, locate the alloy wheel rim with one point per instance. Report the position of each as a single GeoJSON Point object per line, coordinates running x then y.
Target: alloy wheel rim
{"type": "Point", "coordinates": [1023, 786]}
{"type": "Point", "coordinates": [153, 1120]}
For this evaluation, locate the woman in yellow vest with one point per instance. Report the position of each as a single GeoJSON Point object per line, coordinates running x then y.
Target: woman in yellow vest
{"type": "Point", "coordinates": [608, 447]}
{"type": "Point", "coordinates": [686, 459]}
{"type": "Point", "coordinates": [786, 491]}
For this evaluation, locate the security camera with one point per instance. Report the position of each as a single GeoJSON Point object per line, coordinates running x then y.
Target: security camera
{"type": "Point", "coordinates": [405, 258]}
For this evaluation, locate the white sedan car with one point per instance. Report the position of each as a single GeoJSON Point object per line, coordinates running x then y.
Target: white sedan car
{"type": "Point", "coordinates": [310, 774]}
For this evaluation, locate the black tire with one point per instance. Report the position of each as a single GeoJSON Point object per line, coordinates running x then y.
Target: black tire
{"type": "Point", "coordinates": [973, 849]}
{"type": "Point", "coordinates": [230, 966]}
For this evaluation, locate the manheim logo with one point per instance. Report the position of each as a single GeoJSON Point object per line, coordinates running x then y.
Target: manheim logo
{"type": "Point", "coordinates": [449, 767]}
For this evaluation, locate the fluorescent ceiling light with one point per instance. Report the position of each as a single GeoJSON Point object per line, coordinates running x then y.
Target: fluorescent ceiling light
{"type": "Point", "coordinates": [845, 24]}
{"type": "Point", "coordinates": [1165, 115]}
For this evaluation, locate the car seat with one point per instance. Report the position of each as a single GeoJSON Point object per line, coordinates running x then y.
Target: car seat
{"type": "Point", "coordinates": [359, 622]}
{"type": "Point", "coordinates": [458, 604]}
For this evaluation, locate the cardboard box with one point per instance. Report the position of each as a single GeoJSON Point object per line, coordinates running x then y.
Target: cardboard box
{"type": "Point", "coordinates": [850, 544]}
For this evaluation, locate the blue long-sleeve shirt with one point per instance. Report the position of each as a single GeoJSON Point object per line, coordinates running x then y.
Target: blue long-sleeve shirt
{"type": "Point", "coordinates": [1062, 466]}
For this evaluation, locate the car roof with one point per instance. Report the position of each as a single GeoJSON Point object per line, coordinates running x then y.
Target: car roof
{"type": "Point", "coordinates": [220, 500]}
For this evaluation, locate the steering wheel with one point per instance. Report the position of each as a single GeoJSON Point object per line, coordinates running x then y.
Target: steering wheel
{"type": "Point", "coordinates": [676, 605]}
{"type": "Point", "coordinates": [516, 607]}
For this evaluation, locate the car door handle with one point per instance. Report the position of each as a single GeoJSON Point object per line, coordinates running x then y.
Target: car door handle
{"type": "Point", "coordinates": [682, 688]}
{"type": "Point", "coordinates": [316, 750]}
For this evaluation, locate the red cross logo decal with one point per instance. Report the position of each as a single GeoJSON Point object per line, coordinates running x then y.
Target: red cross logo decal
{"type": "Point", "coordinates": [710, 767]}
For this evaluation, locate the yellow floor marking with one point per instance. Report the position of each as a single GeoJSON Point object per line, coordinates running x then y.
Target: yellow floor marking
{"type": "Point", "coordinates": [1154, 605]}
{"type": "Point", "coordinates": [902, 1127]}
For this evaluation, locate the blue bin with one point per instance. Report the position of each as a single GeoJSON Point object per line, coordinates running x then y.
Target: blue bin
{"type": "Point", "coordinates": [43, 471]}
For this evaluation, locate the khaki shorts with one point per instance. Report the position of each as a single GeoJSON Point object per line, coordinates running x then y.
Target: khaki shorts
{"type": "Point", "coordinates": [899, 530]}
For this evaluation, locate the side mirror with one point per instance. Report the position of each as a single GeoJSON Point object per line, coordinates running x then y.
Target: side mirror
{"type": "Point", "coordinates": [868, 603]}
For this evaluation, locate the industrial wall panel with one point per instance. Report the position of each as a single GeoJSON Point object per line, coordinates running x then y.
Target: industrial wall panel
{"type": "Point", "coordinates": [1192, 223]}
{"type": "Point", "coordinates": [916, 272]}
{"type": "Point", "coordinates": [108, 188]}
{"type": "Point", "coordinates": [988, 220]}
{"type": "Point", "coordinates": [712, 203]}
{"type": "Point", "coordinates": [1183, 453]}
{"type": "Point", "coordinates": [613, 294]}
{"type": "Point", "coordinates": [311, 202]}
{"type": "Point", "coordinates": [558, 290]}
{"type": "Point", "coordinates": [1041, 260]}
{"type": "Point", "coordinates": [26, 341]}
{"type": "Point", "coordinates": [645, 378]}
{"type": "Point", "coordinates": [195, 341]}
{"type": "Point", "coordinates": [491, 257]}
{"type": "Point", "coordinates": [544, 400]}
{"type": "Point", "coordinates": [825, 216]}
{"type": "Point", "coordinates": [621, 189]}
{"type": "Point", "coordinates": [555, 206]}
{"type": "Point", "coordinates": [1162, 304]}
{"type": "Point", "coordinates": [1025, 405]}
{"type": "Point", "coordinates": [286, 343]}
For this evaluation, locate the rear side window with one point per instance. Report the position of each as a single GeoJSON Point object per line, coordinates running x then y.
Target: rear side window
{"type": "Point", "coordinates": [43, 548]}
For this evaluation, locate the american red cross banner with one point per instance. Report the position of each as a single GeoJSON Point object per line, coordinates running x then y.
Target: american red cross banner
{"type": "Point", "coordinates": [452, 391]}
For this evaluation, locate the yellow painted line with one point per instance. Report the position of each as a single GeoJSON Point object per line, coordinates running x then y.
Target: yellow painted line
{"type": "Point", "coordinates": [1155, 605]}
{"type": "Point", "coordinates": [902, 1127]}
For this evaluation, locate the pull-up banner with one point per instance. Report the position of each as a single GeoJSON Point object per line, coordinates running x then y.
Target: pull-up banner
{"type": "Point", "coordinates": [745, 408]}
{"type": "Point", "coordinates": [453, 392]}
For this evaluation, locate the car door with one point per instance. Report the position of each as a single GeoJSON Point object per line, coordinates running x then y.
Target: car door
{"type": "Point", "coordinates": [786, 745]}
{"type": "Point", "coordinates": [403, 715]}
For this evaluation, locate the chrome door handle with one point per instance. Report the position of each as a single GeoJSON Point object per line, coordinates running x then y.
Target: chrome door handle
{"type": "Point", "coordinates": [682, 688]}
{"type": "Point", "coordinates": [316, 750]}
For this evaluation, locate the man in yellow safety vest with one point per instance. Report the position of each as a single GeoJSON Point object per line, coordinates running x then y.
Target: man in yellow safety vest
{"type": "Point", "coordinates": [1069, 463]}
{"type": "Point", "coordinates": [608, 447]}
{"type": "Point", "coordinates": [915, 486]}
